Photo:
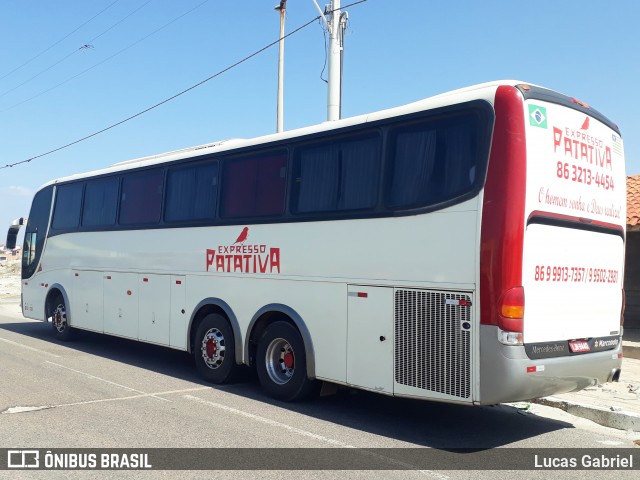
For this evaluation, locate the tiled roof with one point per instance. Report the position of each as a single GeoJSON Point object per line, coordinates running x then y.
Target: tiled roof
{"type": "Point", "coordinates": [633, 200]}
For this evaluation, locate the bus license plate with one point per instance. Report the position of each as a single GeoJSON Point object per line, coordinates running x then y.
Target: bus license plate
{"type": "Point", "coordinates": [578, 347]}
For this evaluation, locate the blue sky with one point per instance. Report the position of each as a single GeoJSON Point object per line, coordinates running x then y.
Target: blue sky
{"type": "Point", "coordinates": [396, 52]}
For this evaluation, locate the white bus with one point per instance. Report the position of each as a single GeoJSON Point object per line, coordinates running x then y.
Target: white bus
{"type": "Point", "coordinates": [391, 252]}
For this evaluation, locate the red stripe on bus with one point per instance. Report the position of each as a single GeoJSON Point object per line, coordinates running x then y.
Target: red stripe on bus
{"type": "Point", "coordinates": [503, 222]}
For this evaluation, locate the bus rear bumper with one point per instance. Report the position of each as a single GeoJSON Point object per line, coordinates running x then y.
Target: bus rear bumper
{"type": "Point", "coordinates": [508, 375]}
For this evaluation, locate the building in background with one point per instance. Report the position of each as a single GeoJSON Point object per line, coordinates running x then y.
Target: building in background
{"type": "Point", "coordinates": [632, 260]}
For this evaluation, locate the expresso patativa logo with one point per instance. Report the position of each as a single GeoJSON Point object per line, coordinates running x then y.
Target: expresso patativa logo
{"type": "Point", "coordinates": [243, 256]}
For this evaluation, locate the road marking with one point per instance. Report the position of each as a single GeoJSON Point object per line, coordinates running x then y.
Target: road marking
{"type": "Point", "coordinates": [25, 409]}
{"type": "Point", "coordinates": [268, 421]}
{"type": "Point", "coordinates": [93, 377]}
{"type": "Point", "coordinates": [14, 410]}
{"type": "Point", "coordinates": [28, 347]}
{"type": "Point", "coordinates": [306, 433]}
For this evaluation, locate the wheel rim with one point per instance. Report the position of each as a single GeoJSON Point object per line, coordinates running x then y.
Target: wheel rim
{"type": "Point", "coordinates": [280, 361]}
{"type": "Point", "coordinates": [59, 318]}
{"type": "Point", "coordinates": [213, 348]}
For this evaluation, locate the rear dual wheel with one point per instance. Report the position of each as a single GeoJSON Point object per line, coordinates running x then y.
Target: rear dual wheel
{"type": "Point", "coordinates": [281, 360]}
{"type": "Point", "coordinates": [281, 363]}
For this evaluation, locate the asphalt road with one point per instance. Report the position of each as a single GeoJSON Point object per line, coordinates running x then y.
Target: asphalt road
{"type": "Point", "coordinates": [104, 392]}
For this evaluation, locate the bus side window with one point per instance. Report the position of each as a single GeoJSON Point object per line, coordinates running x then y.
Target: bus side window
{"type": "Point", "coordinates": [191, 193]}
{"type": "Point", "coordinates": [432, 162]}
{"type": "Point", "coordinates": [29, 253]}
{"type": "Point", "coordinates": [66, 214]}
{"type": "Point", "coordinates": [337, 176]}
{"type": "Point", "coordinates": [141, 198]}
{"type": "Point", "coordinates": [254, 186]}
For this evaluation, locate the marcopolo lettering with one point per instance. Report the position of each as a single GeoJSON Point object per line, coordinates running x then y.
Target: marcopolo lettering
{"type": "Point", "coordinates": [607, 343]}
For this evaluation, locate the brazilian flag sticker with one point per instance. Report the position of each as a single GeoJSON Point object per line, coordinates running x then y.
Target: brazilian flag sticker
{"type": "Point", "coordinates": [537, 116]}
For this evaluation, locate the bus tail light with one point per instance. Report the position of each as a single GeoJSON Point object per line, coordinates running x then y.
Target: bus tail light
{"type": "Point", "coordinates": [511, 316]}
{"type": "Point", "coordinates": [624, 305]}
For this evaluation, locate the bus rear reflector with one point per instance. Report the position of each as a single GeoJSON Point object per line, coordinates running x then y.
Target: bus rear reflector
{"type": "Point", "coordinates": [512, 303]}
{"type": "Point", "coordinates": [510, 338]}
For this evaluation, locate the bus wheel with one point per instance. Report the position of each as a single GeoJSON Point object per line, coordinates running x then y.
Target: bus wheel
{"type": "Point", "coordinates": [214, 350]}
{"type": "Point", "coordinates": [61, 328]}
{"type": "Point", "coordinates": [282, 364]}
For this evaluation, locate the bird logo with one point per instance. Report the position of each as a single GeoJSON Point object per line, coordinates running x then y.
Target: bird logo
{"type": "Point", "coordinates": [243, 236]}
{"type": "Point", "coordinates": [585, 125]}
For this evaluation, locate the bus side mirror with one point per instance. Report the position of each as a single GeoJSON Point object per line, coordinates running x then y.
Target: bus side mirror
{"type": "Point", "coordinates": [12, 234]}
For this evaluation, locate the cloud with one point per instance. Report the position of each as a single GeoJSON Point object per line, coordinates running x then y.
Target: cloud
{"type": "Point", "coordinates": [17, 191]}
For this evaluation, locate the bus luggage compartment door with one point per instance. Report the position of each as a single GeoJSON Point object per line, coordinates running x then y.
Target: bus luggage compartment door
{"type": "Point", "coordinates": [370, 338]}
{"type": "Point", "coordinates": [154, 308]}
{"type": "Point", "coordinates": [87, 306]}
{"type": "Point", "coordinates": [121, 304]}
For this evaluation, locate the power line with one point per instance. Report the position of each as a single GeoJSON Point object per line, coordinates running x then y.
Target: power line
{"type": "Point", "coordinates": [121, 20]}
{"type": "Point", "coordinates": [248, 57]}
{"type": "Point", "coordinates": [72, 53]}
{"type": "Point", "coordinates": [103, 61]}
{"type": "Point", "coordinates": [62, 39]}
{"type": "Point", "coordinates": [230, 67]}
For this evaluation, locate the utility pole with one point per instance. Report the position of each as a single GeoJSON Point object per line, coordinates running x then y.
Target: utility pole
{"type": "Point", "coordinates": [280, 116]}
{"type": "Point", "coordinates": [337, 26]}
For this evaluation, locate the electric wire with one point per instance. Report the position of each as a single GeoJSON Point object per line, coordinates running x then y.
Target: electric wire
{"type": "Point", "coordinates": [326, 57]}
{"type": "Point", "coordinates": [72, 53]}
{"type": "Point", "coordinates": [73, 77]}
{"type": "Point", "coordinates": [239, 62]}
{"type": "Point", "coordinates": [62, 39]}
{"type": "Point", "coordinates": [215, 75]}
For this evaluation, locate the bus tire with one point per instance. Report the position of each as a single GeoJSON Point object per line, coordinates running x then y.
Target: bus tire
{"type": "Point", "coordinates": [214, 350]}
{"type": "Point", "coordinates": [281, 363]}
{"type": "Point", "coordinates": [61, 328]}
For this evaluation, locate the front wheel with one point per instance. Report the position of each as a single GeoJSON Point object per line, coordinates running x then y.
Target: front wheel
{"type": "Point", "coordinates": [61, 328]}
{"type": "Point", "coordinates": [282, 364]}
{"type": "Point", "coordinates": [214, 350]}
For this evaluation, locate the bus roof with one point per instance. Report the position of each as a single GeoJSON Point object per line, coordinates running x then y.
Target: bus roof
{"type": "Point", "coordinates": [484, 91]}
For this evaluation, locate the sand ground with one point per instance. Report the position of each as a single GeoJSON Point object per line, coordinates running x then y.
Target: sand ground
{"type": "Point", "coordinates": [9, 278]}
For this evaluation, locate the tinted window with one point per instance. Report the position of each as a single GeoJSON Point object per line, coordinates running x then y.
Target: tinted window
{"type": "Point", "coordinates": [191, 193]}
{"type": "Point", "coordinates": [35, 231]}
{"type": "Point", "coordinates": [432, 161]}
{"type": "Point", "coordinates": [68, 204]}
{"type": "Point", "coordinates": [100, 202]}
{"type": "Point", "coordinates": [141, 198]}
{"type": "Point", "coordinates": [337, 176]}
{"type": "Point", "coordinates": [254, 186]}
